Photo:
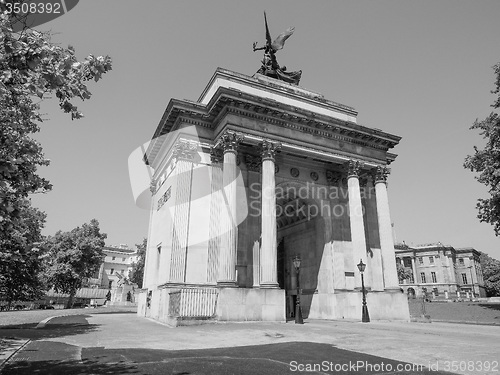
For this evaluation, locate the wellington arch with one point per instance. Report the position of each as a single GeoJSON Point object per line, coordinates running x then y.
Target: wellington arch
{"type": "Point", "coordinates": [253, 174]}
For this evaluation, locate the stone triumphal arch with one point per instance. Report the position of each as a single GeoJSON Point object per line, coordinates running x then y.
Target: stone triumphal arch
{"type": "Point", "coordinates": [254, 173]}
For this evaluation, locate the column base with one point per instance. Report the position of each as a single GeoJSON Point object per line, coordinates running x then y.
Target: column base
{"type": "Point", "coordinates": [269, 285]}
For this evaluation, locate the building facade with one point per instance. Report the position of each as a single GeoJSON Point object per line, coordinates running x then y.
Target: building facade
{"type": "Point", "coordinates": [117, 264]}
{"type": "Point", "coordinates": [443, 272]}
{"type": "Point", "coordinates": [254, 174]}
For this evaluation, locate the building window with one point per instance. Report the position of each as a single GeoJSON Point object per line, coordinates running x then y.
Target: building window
{"type": "Point", "coordinates": [461, 261]}
{"type": "Point", "coordinates": [420, 260]}
{"type": "Point", "coordinates": [464, 278]}
{"type": "Point", "coordinates": [113, 258]}
{"type": "Point", "coordinates": [123, 259]}
{"type": "Point", "coordinates": [431, 260]}
{"type": "Point", "coordinates": [422, 277]}
{"type": "Point", "coordinates": [111, 271]}
{"type": "Point", "coordinates": [433, 276]}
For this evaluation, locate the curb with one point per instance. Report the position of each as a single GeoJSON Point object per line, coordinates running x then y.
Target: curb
{"type": "Point", "coordinates": [467, 322]}
{"type": "Point", "coordinates": [4, 362]}
{"type": "Point", "coordinates": [44, 322]}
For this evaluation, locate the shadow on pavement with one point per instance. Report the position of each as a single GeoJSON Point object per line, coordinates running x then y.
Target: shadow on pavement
{"type": "Point", "coordinates": [57, 327]}
{"type": "Point", "coordinates": [67, 367]}
{"type": "Point", "coordinates": [52, 357]}
{"type": "Point", "coordinates": [492, 306]}
{"type": "Point", "coordinates": [271, 359]}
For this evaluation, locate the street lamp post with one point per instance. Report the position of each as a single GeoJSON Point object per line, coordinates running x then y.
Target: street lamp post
{"type": "Point", "coordinates": [298, 311]}
{"type": "Point", "coordinates": [365, 317]}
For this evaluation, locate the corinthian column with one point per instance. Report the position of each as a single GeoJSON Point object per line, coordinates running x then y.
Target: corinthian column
{"type": "Point", "coordinates": [269, 254]}
{"type": "Point", "coordinates": [385, 230]}
{"type": "Point", "coordinates": [184, 154]}
{"type": "Point", "coordinates": [216, 202]}
{"type": "Point", "coordinates": [356, 218]}
{"type": "Point", "coordinates": [229, 142]}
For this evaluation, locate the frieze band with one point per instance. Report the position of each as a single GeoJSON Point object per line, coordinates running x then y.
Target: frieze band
{"type": "Point", "coordinates": [185, 149]}
{"type": "Point", "coordinates": [216, 155]}
{"type": "Point", "coordinates": [253, 163]}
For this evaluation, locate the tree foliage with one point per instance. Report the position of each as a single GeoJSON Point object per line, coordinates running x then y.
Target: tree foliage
{"type": "Point", "coordinates": [137, 273]}
{"type": "Point", "coordinates": [486, 162]}
{"type": "Point", "coordinates": [31, 68]}
{"type": "Point", "coordinates": [73, 257]}
{"type": "Point", "coordinates": [491, 274]}
{"type": "Point", "coordinates": [21, 260]}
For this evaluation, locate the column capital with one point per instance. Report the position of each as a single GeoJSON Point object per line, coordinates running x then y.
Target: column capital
{"type": "Point", "coordinates": [380, 174]}
{"type": "Point", "coordinates": [269, 149]}
{"type": "Point", "coordinates": [230, 141]}
{"type": "Point", "coordinates": [353, 168]}
{"type": "Point", "coordinates": [152, 186]}
{"type": "Point", "coordinates": [185, 149]}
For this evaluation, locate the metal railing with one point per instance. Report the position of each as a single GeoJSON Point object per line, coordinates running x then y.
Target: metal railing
{"type": "Point", "coordinates": [193, 302]}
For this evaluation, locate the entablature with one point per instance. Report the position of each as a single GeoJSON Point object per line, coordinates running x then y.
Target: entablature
{"type": "Point", "coordinates": [229, 101]}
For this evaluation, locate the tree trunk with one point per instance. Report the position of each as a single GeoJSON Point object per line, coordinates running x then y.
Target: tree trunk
{"type": "Point", "coordinates": [71, 299]}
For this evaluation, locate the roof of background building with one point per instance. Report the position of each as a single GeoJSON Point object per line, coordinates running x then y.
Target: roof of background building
{"type": "Point", "coordinates": [119, 249]}
{"type": "Point", "coordinates": [402, 247]}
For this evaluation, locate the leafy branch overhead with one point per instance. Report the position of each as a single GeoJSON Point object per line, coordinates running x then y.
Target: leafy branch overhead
{"type": "Point", "coordinates": [31, 66]}
{"type": "Point", "coordinates": [486, 162]}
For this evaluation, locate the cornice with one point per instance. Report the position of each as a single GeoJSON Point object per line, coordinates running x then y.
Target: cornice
{"type": "Point", "coordinates": [227, 100]}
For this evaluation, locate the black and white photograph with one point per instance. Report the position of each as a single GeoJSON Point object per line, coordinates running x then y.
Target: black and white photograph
{"type": "Point", "coordinates": [249, 187]}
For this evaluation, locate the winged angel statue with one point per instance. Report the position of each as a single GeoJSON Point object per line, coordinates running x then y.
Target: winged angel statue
{"type": "Point", "coordinates": [270, 66]}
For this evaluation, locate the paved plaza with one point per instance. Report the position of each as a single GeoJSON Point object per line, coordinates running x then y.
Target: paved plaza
{"type": "Point", "coordinates": [121, 342]}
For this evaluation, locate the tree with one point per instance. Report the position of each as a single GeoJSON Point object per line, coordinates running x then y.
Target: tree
{"type": "Point", "coordinates": [486, 162]}
{"type": "Point", "coordinates": [403, 272]}
{"type": "Point", "coordinates": [73, 257]}
{"type": "Point", "coordinates": [32, 69]}
{"type": "Point", "coordinates": [21, 261]}
{"type": "Point", "coordinates": [136, 275]}
{"type": "Point", "coordinates": [491, 274]}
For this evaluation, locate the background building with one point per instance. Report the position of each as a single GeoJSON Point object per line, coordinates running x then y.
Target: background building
{"type": "Point", "coordinates": [118, 261]}
{"type": "Point", "coordinates": [442, 271]}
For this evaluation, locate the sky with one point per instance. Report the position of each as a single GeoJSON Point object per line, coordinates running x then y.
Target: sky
{"type": "Point", "coordinates": [417, 69]}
